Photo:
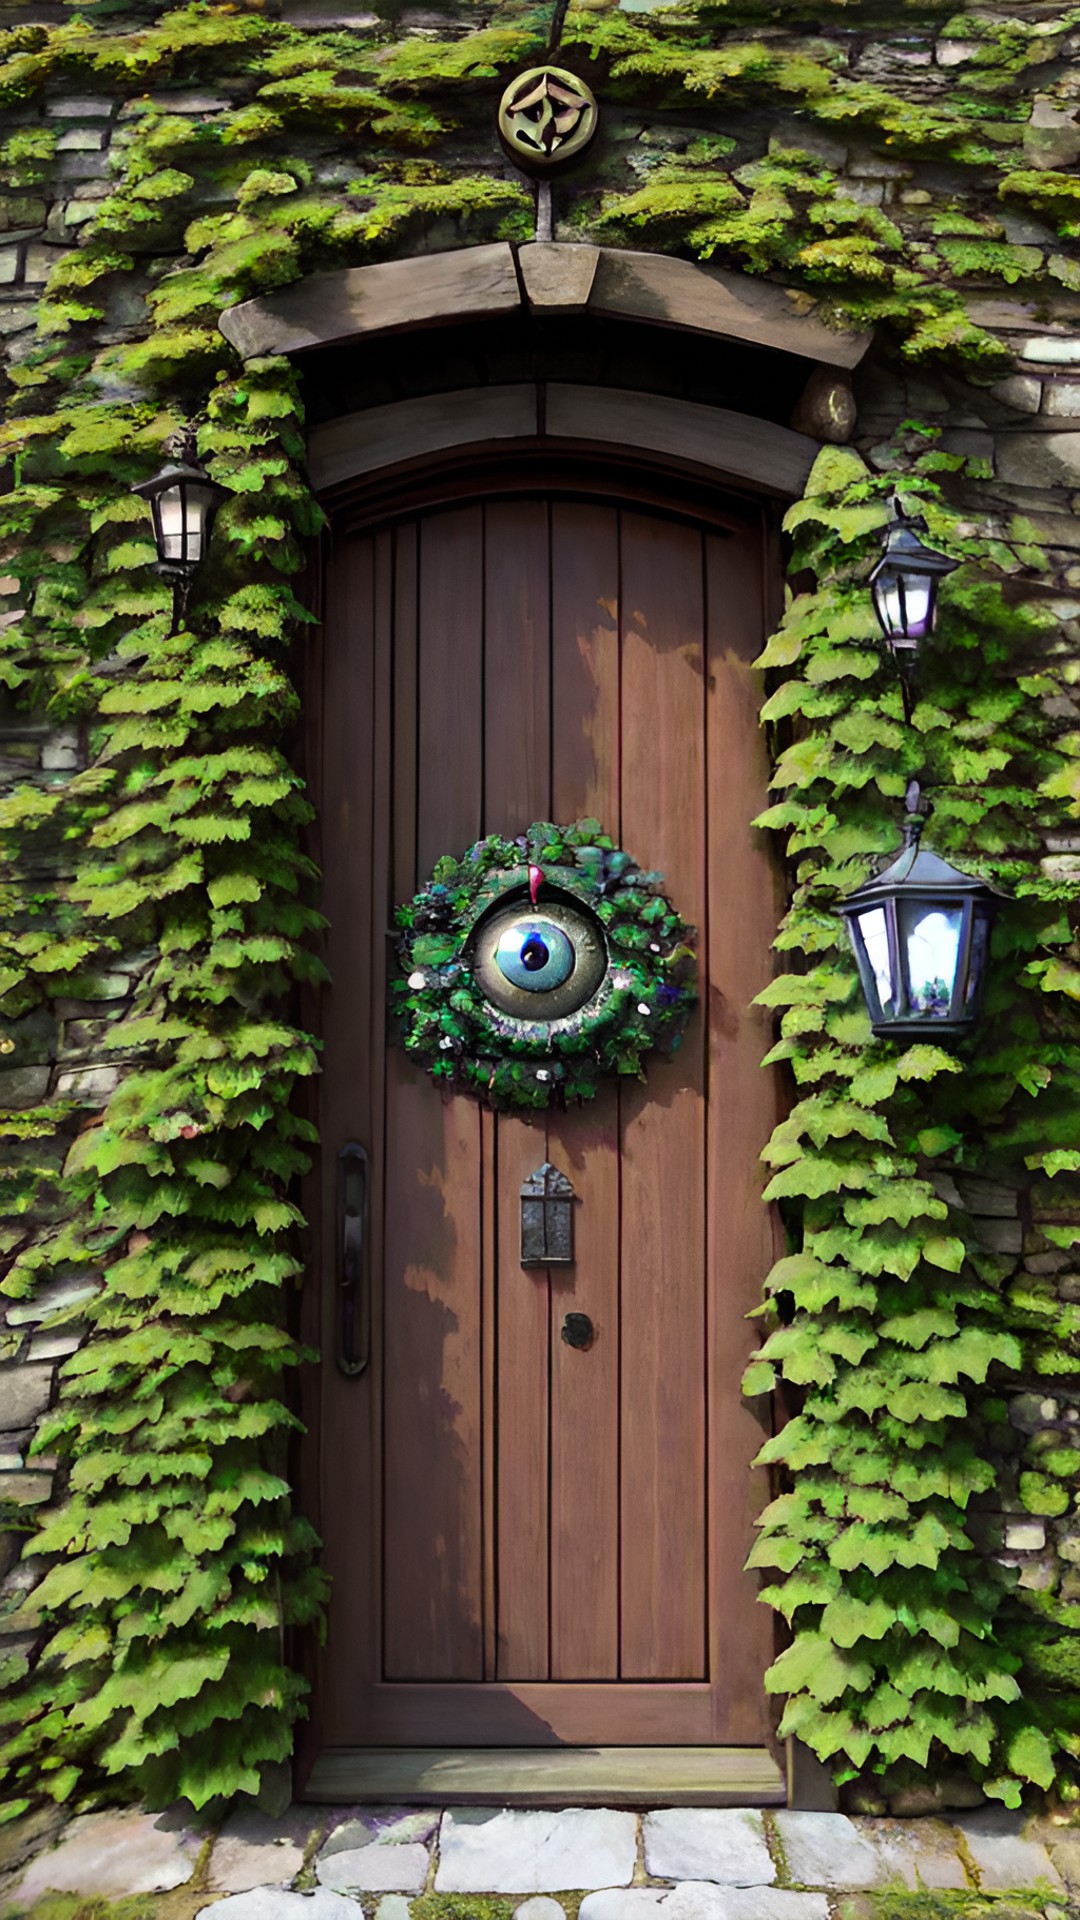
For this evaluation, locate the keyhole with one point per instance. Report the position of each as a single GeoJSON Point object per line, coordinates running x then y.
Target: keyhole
{"type": "Point", "coordinates": [578, 1330]}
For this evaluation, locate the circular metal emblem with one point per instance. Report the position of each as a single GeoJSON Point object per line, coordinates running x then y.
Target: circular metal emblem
{"type": "Point", "coordinates": [547, 116]}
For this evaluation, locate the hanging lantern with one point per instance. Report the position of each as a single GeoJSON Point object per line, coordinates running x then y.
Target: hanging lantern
{"type": "Point", "coordinates": [921, 935]}
{"type": "Point", "coordinates": [904, 583]}
{"type": "Point", "coordinates": [183, 501]}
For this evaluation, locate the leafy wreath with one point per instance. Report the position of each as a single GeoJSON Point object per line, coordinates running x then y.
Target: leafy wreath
{"type": "Point", "coordinates": [643, 999]}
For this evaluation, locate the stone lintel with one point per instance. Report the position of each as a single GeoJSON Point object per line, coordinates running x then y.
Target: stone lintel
{"type": "Point", "coordinates": [472, 283]}
{"type": "Point", "coordinates": [478, 283]}
{"type": "Point", "coordinates": [558, 278]}
{"type": "Point", "coordinates": [737, 306]}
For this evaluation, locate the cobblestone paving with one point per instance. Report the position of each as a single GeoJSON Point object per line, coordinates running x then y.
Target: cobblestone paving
{"type": "Point", "coordinates": [685, 1863]}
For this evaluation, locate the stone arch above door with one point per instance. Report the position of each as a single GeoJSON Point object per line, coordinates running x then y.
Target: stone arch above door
{"type": "Point", "coordinates": [543, 277]}
{"type": "Point", "coordinates": [763, 378]}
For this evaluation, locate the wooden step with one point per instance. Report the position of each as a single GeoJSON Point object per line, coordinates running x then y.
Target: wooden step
{"type": "Point", "coordinates": [549, 1776]}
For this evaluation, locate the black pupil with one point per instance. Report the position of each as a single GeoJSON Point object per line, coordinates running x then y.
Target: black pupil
{"type": "Point", "coordinates": [534, 954]}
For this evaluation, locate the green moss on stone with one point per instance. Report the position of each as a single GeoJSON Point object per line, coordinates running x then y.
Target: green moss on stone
{"type": "Point", "coordinates": [1042, 1495]}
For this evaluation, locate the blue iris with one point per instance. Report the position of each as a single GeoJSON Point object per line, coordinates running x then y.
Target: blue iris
{"type": "Point", "coordinates": [535, 954]}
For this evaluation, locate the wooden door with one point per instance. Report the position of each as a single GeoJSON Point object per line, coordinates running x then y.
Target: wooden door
{"type": "Point", "coordinates": [532, 1544]}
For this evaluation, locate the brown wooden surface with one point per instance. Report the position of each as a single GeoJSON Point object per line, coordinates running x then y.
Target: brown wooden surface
{"type": "Point", "coordinates": [433, 1579]}
{"type": "Point", "coordinates": [534, 1545]}
{"type": "Point", "coordinates": [585, 1386]}
{"type": "Point", "coordinates": [742, 1105]}
{"type": "Point", "coordinates": [663, 1280]}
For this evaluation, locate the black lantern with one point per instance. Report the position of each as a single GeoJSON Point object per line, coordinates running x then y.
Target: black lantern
{"type": "Point", "coordinates": [904, 583]}
{"type": "Point", "coordinates": [921, 934]}
{"type": "Point", "coordinates": [183, 500]}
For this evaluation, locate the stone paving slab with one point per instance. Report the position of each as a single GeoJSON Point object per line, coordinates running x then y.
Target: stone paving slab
{"type": "Point", "coordinates": [270, 1904]}
{"type": "Point", "coordinates": [513, 1850]}
{"type": "Point", "coordinates": [375, 1869]}
{"type": "Point", "coordinates": [254, 1850]}
{"type": "Point", "coordinates": [708, 1843]}
{"type": "Point", "coordinates": [1065, 1854]}
{"type": "Point", "coordinates": [703, 1901]}
{"type": "Point", "coordinates": [394, 1906]}
{"type": "Point", "coordinates": [622, 1903]}
{"type": "Point", "coordinates": [828, 1850]}
{"type": "Point", "coordinates": [1004, 1859]}
{"type": "Point", "coordinates": [920, 1853]}
{"type": "Point", "coordinates": [390, 1826]}
{"type": "Point", "coordinates": [113, 1854]}
{"type": "Point", "coordinates": [381, 1850]}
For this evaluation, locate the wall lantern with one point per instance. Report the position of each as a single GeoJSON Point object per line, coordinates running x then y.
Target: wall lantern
{"type": "Point", "coordinates": [183, 501]}
{"type": "Point", "coordinates": [921, 935]}
{"type": "Point", "coordinates": [904, 583]}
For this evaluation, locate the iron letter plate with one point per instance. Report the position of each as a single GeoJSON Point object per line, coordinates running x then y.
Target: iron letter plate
{"type": "Point", "coordinates": [547, 1219]}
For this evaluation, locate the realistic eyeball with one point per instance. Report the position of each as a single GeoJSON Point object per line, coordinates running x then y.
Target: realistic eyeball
{"type": "Point", "coordinates": [539, 964]}
{"type": "Point", "coordinates": [535, 955]}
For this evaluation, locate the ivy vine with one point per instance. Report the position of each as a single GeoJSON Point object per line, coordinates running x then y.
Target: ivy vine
{"type": "Point", "coordinates": [890, 1324]}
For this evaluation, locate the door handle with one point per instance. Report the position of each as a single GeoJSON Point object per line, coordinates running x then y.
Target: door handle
{"type": "Point", "coordinates": [354, 1323]}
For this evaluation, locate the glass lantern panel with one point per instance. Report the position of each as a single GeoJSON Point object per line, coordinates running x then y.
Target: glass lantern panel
{"type": "Point", "coordinates": [170, 506]}
{"type": "Point", "coordinates": [980, 942]}
{"type": "Point", "coordinates": [918, 604]}
{"type": "Point", "coordinates": [874, 932]}
{"type": "Point", "coordinates": [200, 504]}
{"type": "Point", "coordinates": [889, 604]}
{"type": "Point", "coordinates": [930, 939]}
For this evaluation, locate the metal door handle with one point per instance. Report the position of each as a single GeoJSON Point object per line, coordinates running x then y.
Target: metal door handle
{"type": "Point", "coordinates": [354, 1323]}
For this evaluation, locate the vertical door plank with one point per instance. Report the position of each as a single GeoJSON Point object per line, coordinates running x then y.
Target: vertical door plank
{"type": "Point", "coordinates": [433, 1581]}
{"type": "Point", "coordinates": [517, 790]}
{"type": "Point", "coordinates": [403, 857]}
{"type": "Point", "coordinates": [742, 1112]}
{"type": "Point", "coordinates": [381, 921]}
{"type": "Point", "coordinates": [585, 672]}
{"type": "Point", "coordinates": [517, 666]}
{"type": "Point", "coordinates": [450, 758]}
{"type": "Point", "coordinates": [345, 1093]}
{"type": "Point", "coordinates": [522, 1337]}
{"type": "Point", "coordinates": [584, 1144]}
{"type": "Point", "coordinates": [663, 1537]}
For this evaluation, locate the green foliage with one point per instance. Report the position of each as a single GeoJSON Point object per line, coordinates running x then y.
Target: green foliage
{"type": "Point", "coordinates": [890, 1326]}
{"type": "Point", "coordinates": [790, 212]}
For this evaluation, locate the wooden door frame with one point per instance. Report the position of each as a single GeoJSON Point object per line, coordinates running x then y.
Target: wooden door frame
{"type": "Point", "coordinates": [665, 479]}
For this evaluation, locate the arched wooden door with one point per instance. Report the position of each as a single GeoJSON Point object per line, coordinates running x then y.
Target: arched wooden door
{"type": "Point", "coordinates": [533, 1545]}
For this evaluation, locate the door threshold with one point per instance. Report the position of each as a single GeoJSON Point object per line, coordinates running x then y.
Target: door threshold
{"type": "Point", "coordinates": [549, 1776]}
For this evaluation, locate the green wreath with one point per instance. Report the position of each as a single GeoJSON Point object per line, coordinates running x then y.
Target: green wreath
{"type": "Point", "coordinates": [531, 968]}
